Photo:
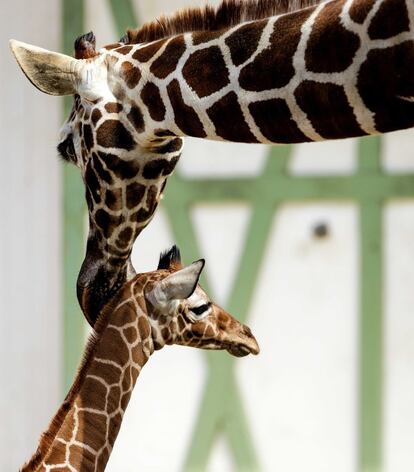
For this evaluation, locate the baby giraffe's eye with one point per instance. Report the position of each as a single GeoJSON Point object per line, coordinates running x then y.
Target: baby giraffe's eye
{"type": "Point", "coordinates": [199, 310]}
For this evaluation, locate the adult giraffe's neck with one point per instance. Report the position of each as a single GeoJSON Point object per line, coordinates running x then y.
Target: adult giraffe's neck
{"type": "Point", "coordinates": [127, 203]}
{"type": "Point", "coordinates": [340, 69]}
{"type": "Point", "coordinates": [83, 437]}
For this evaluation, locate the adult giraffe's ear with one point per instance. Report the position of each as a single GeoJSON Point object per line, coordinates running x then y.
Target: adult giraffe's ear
{"type": "Point", "coordinates": [177, 286]}
{"type": "Point", "coordinates": [51, 72]}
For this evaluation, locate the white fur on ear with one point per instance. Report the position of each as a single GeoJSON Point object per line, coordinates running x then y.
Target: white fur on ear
{"type": "Point", "coordinates": [177, 286]}
{"type": "Point", "coordinates": [51, 72]}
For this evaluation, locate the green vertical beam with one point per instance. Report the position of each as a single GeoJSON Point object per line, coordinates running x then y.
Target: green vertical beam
{"type": "Point", "coordinates": [73, 223]}
{"type": "Point", "coordinates": [123, 14]}
{"type": "Point", "coordinates": [371, 317]}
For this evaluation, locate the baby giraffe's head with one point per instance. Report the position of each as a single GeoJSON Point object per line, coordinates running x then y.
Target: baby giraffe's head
{"type": "Point", "coordinates": [180, 312]}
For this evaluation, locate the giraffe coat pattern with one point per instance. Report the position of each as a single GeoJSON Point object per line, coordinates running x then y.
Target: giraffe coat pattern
{"type": "Point", "coordinates": [166, 306]}
{"type": "Point", "coordinates": [337, 69]}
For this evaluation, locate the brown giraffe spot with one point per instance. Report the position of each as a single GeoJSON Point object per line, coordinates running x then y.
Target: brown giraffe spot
{"type": "Point", "coordinates": [113, 198]}
{"type": "Point", "coordinates": [114, 399]}
{"type": "Point", "coordinates": [122, 169]}
{"type": "Point", "coordinates": [154, 168]}
{"type": "Point", "coordinates": [108, 372]}
{"type": "Point", "coordinates": [275, 121]}
{"type": "Point", "coordinates": [167, 62]}
{"type": "Point", "coordinates": [124, 50]}
{"type": "Point", "coordinates": [390, 20]}
{"type": "Point", "coordinates": [119, 92]}
{"type": "Point", "coordinates": [107, 222]}
{"type": "Point", "coordinates": [138, 355]}
{"type": "Point", "coordinates": [92, 182]}
{"type": "Point", "coordinates": [131, 334]}
{"type": "Point", "coordinates": [381, 91]}
{"type": "Point", "coordinates": [152, 198]}
{"type": "Point", "coordinates": [360, 9]}
{"type": "Point", "coordinates": [109, 47]}
{"type": "Point", "coordinates": [165, 333]}
{"type": "Point", "coordinates": [125, 400]}
{"type": "Point", "coordinates": [209, 332]}
{"type": "Point", "coordinates": [115, 346]}
{"type": "Point", "coordinates": [200, 37]}
{"type": "Point", "coordinates": [185, 116]}
{"type": "Point", "coordinates": [96, 115]}
{"type": "Point", "coordinates": [152, 99]}
{"type": "Point", "coordinates": [173, 145]}
{"type": "Point", "coordinates": [130, 74]}
{"type": "Point", "coordinates": [124, 238]}
{"type": "Point", "coordinates": [115, 425]}
{"type": "Point", "coordinates": [328, 109]}
{"type": "Point", "coordinates": [136, 118]}
{"type": "Point", "coordinates": [163, 133]}
{"type": "Point", "coordinates": [103, 459]}
{"type": "Point", "coordinates": [134, 194]}
{"type": "Point", "coordinates": [135, 373]}
{"type": "Point", "coordinates": [124, 316]}
{"type": "Point", "coordinates": [228, 119]}
{"type": "Point", "coordinates": [88, 137]}
{"type": "Point", "coordinates": [112, 133]}
{"type": "Point", "coordinates": [103, 174]}
{"type": "Point", "coordinates": [146, 53]}
{"type": "Point", "coordinates": [275, 62]}
{"type": "Point", "coordinates": [329, 36]}
{"type": "Point", "coordinates": [93, 394]}
{"type": "Point", "coordinates": [143, 327]}
{"type": "Point", "coordinates": [68, 426]}
{"type": "Point", "coordinates": [81, 458]}
{"type": "Point", "coordinates": [188, 335]}
{"type": "Point", "coordinates": [168, 169]}
{"type": "Point", "coordinates": [181, 323]}
{"type": "Point", "coordinates": [244, 41]}
{"type": "Point", "coordinates": [57, 454]}
{"type": "Point", "coordinates": [126, 379]}
{"type": "Point", "coordinates": [113, 107]}
{"type": "Point", "coordinates": [93, 424]}
{"type": "Point", "coordinates": [205, 71]}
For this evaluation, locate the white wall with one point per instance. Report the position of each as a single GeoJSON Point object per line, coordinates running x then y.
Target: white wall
{"type": "Point", "coordinates": [30, 310]}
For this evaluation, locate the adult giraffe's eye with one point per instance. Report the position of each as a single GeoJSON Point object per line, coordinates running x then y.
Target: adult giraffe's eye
{"type": "Point", "coordinates": [201, 309]}
{"type": "Point", "coordinates": [66, 149]}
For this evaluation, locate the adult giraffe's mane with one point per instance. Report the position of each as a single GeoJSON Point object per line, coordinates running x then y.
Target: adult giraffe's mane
{"type": "Point", "coordinates": [229, 13]}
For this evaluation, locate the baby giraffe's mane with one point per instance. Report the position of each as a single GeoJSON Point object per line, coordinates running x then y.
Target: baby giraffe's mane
{"type": "Point", "coordinates": [229, 13]}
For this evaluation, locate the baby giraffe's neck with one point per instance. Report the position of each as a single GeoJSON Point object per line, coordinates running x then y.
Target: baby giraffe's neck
{"type": "Point", "coordinates": [83, 432]}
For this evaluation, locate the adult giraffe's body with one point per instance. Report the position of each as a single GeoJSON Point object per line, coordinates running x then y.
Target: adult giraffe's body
{"type": "Point", "coordinates": [244, 73]}
{"type": "Point", "coordinates": [166, 306]}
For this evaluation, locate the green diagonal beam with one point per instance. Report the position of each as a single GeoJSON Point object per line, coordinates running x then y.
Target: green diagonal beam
{"type": "Point", "coordinates": [221, 385]}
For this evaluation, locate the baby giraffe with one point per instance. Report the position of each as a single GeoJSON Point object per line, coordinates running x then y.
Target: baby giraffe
{"type": "Point", "coordinates": [166, 306]}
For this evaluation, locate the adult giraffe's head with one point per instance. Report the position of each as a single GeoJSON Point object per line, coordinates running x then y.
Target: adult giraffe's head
{"type": "Point", "coordinates": [124, 164]}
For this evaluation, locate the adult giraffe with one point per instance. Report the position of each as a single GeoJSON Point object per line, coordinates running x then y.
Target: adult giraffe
{"type": "Point", "coordinates": [166, 306]}
{"type": "Point", "coordinates": [252, 71]}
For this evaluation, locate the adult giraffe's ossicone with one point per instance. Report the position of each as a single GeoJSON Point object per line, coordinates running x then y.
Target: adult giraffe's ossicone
{"type": "Point", "coordinates": [166, 306]}
{"type": "Point", "coordinates": [250, 71]}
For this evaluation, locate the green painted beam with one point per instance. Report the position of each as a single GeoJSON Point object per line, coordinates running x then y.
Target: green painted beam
{"type": "Point", "coordinates": [73, 221]}
{"type": "Point", "coordinates": [124, 15]}
{"type": "Point", "coordinates": [288, 188]}
{"type": "Point", "coordinates": [371, 315]}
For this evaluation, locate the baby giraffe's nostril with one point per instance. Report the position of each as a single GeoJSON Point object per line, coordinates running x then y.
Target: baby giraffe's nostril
{"type": "Point", "coordinates": [247, 331]}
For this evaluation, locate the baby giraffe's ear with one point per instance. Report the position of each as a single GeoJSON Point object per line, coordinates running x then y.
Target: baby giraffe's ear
{"type": "Point", "coordinates": [177, 286]}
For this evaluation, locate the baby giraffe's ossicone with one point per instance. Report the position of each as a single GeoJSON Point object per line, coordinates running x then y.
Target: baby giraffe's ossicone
{"type": "Point", "coordinates": [166, 306]}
